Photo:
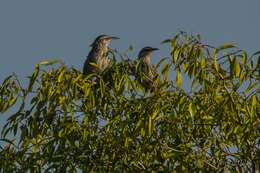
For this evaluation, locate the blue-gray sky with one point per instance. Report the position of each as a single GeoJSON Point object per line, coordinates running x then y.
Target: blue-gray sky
{"type": "Point", "coordinates": [31, 31]}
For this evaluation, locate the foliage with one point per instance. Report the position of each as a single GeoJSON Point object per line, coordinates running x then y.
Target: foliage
{"type": "Point", "coordinates": [68, 122]}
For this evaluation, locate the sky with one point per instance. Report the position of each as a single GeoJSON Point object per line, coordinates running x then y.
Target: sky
{"type": "Point", "coordinates": [32, 31]}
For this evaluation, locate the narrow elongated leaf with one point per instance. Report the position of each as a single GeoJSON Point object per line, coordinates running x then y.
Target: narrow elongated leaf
{"type": "Point", "coordinates": [102, 87]}
{"type": "Point", "coordinates": [176, 55]}
{"type": "Point", "coordinates": [178, 78]}
{"type": "Point", "coordinates": [50, 62]}
{"type": "Point", "coordinates": [254, 101]}
{"type": "Point", "coordinates": [216, 65]}
{"type": "Point", "coordinates": [244, 58]}
{"type": "Point", "coordinates": [203, 63]}
{"type": "Point", "coordinates": [237, 68]}
{"type": "Point", "coordinates": [225, 46]}
{"type": "Point", "coordinates": [160, 62]}
{"type": "Point", "coordinates": [192, 110]}
{"type": "Point", "coordinates": [61, 76]}
{"type": "Point", "coordinates": [256, 53]}
{"type": "Point", "coordinates": [33, 77]}
{"type": "Point", "coordinates": [165, 71]}
{"type": "Point", "coordinates": [150, 124]}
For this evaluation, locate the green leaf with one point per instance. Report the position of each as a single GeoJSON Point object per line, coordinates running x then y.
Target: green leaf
{"type": "Point", "coordinates": [166, 41]}
{"type": "Point", "coordinates": [102, 87]}
{"type": "Point", "coordinates": [33, 77]}
{"type": "Point", "coordinates": [191, 53]}
{"type": "Point", "coordinates": [216, 65]}
{"type": "Point", "coordinates": [178, 78]}
{"type": "Point", "coordinates": [150, 126]}
{"type": "Point", "coordinates": [237, 68]}
{"type": "Point", "coordinates": [244, 58]}
{"type": "Point", "coordinates": [176, 55]}
{"type": "Point", "coordinates": [6, 80]}
{"type": "Point", "coordinates": [130, 48]}
{"type": "Point", "coordinates": [160, 62]}
{"type": "Point", "coordinates": [250, 87]}
{"type": "Point", "coordinates": [256, 53]}
{"type": "Point", "coordinates": [225, 46]}
{"type": "Point", "coordinates": [12, 101]}
{"type": "Point", "coordinates": [253, 106]}
{"type": "Point", "coordinates": [203, 63]}
{"type": "Point", "coordinates": [254, 101]}
{"type": "Point", "coordinates": [121, 85]}
{"type": "Point", "coordinates": [51, 62]}
{"type": "Point", "coordinates": [93, 64]}
{"type": "Point", "coordinates": [8, 141]}
{"type": "Point", "coordinates": [61, 75]}
{"type": "Point", "coordinates": [165, 71]}
{"type": "Point", "coordinates": [184, 67]}
{"type": "Point", "coordinates": [192, 110]}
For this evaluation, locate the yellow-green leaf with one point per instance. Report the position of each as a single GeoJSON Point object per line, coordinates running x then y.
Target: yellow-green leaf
{"type": "Point", "coordinates": [46, 62]}
{"type": "Point", "coordinates": [102, 87]}
{"type": "Point", "coordinates": [203, 63]}
{"type": "Point", "coordinates": [150, 125]}
{"type": "Point", "coordinates": [254, 101]}
{"type": "Point", "coordinates": [60, 78]}
{"type": "Point", "coordinates": [192, 109]}
{"type": "Point", "coordinates": [33, 77]}
{"type": "Point", "coordinates": [176, 55]}
{"type": "Point", "coordinates": [225, 46]}
{"type": "Point", "coordinates": [184, 67]}
{"type": "Point", "coordinates": [216, 65]}
{"type": "Point", "coordinates": [238, 69]}
{"type": "Point", "coordinates": [244, 58]}
{"type": "Point", "coordinates": [253, 106]}
{"type": "Point", "coordinates": [178, 78]}
{"type": "Point", "coordinates": [165, 71]}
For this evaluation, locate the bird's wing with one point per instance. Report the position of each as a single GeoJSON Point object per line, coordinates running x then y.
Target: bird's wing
{"type": "Point", "coordinates": [152, 72]}
{"type": "Point", "coordinates": [88, 65]}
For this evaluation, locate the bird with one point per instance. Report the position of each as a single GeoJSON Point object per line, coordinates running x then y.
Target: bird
{"type": "Point", "coordinates": [146, 71]}
{"type": "Point", "coordinates": [97, 59]}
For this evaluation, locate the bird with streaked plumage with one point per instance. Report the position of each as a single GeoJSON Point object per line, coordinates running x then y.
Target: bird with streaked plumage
{"type": "Point", "coordinates": [147, 73]}
{"type": "Point", "coordinates": [97, 59]}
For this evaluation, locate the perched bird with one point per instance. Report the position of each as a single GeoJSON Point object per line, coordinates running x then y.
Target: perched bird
{"type": "Point", "coordinates": [147, 72]}
{"type": "Point", "coordinates": [98, 55]}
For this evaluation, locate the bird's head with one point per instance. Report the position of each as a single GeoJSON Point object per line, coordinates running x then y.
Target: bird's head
{"type": "Point", "coordinates": [146, 52]}
{"type": "Point", "coordinates": [103, 40]}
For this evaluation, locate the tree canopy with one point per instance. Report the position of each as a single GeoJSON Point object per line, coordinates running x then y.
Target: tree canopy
{"type": "Point", "coordinates": [64, 121]}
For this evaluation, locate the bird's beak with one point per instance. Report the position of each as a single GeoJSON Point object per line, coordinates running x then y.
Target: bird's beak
{"type": "Point", "coordinates": [154, 49]}
{"type": "Point", "coordinates": [114, 38]}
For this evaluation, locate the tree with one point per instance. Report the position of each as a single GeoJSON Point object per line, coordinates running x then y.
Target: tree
{"type": "Point", "coordinates": [67, 122]}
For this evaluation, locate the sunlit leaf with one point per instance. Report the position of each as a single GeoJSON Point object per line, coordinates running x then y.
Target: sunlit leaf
{"type": "Point", "coordinates": [225, 46]}
{"type": "Point", "coordinates": [33, 77]}
{"type": "Point", "coordinates": [192, 110]}
{"type": "Point", "coordinates": [166, 41]}
{"type": "Point", "coordinates": [244, 58]}
{"type": "Point", "coordinates": [50, 62]}
{"type": "Point", "coordinates": [216, 65]}
{"type": "Point", "coordinates": [178, 78]}
{"type": "Point", "coordinates": [254, 101]}
{"type": "Point", "coordinates": [61, 76]}
{"type": "Point", "coordinates": [165, 71]}
{"type": "Point", "coordinates": [203, 63]}
{"type": "Point", "coordinates": [176, 55]}
{"type": "Point", "coordinates": [238, 69]}
{"type": "Point", "coordinates": [150, 126]}
{"type": "Point", "coordinates": [102, 88]}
